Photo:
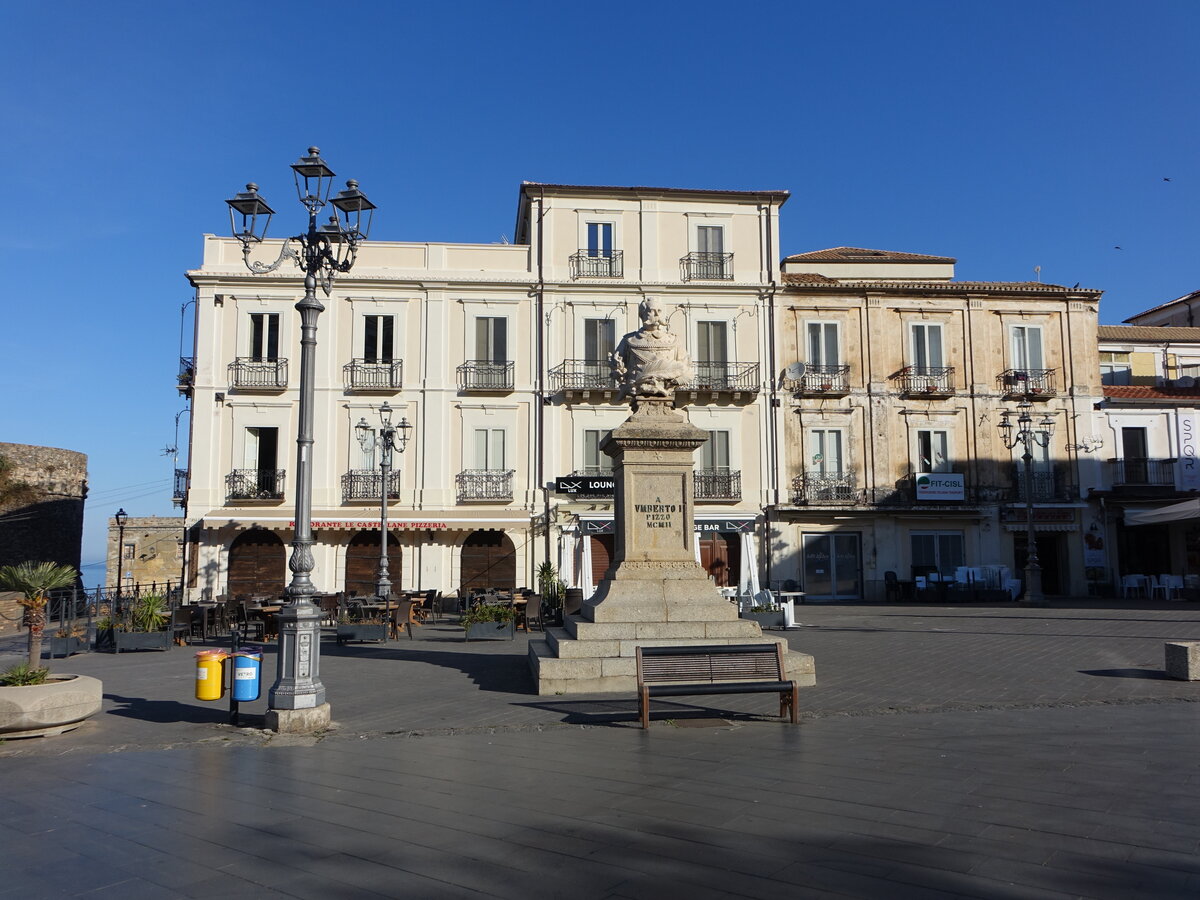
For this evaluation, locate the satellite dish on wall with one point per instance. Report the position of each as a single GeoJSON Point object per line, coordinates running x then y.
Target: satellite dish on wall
{"type": "Point", "coordinates": [795, 371]}
{"type": "Point", "coordinates": [1185, 381]}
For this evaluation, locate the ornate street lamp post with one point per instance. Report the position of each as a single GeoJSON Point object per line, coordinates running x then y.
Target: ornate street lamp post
{"type": "Point", "coordinates": [1028, 436]}
{"type": "Point", "coordinates": [120, 518]}
{"type": "Point", "coordinates": [297, 699]}
{"type": "Point", "coordinates": [385, 439]}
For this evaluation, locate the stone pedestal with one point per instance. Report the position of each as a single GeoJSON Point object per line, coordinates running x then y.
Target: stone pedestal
{"type": "Point", "coordinates": [1183, 660]}
{"type": "Point", "coordinates": [654, 591]}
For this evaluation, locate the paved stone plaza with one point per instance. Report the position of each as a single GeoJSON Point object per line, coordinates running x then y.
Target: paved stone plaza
{"type": "Point", "coordinates": [946, 751]}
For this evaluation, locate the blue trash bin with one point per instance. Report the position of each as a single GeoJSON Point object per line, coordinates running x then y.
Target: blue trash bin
{"type": "Point", "coordinates": [247, 674]}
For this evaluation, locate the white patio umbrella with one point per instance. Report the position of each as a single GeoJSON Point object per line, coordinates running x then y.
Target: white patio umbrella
{"type": "Point", "coordinates": [1188, 509]}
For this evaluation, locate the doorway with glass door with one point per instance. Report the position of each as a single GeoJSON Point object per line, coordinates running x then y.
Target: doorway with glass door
{"type": "Point", "coordinates": [832, 566]}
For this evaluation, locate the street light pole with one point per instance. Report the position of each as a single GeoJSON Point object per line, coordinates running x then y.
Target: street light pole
{"type": "Point", "coordinates": [385, 439]}
{"type": "Point", "coordinates": [297, 699]}
{"type": "Point", "coordinates": [121, 518]}
{"type": "Point", "coordinates": [1029, 437]}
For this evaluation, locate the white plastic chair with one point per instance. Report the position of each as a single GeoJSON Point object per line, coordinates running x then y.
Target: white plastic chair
{"type": "Point", "coordinates": [1133, 586]}
{"type": "Point", "coordinates": [1170, 586]}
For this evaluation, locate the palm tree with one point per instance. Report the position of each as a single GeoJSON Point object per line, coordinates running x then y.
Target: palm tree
{"type": "Point", "coordinates": [35, 580]}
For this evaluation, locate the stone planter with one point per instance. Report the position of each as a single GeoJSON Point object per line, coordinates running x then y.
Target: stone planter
{"type": "Point", "coordinates": [66, 646]}
{"type": "Point", "coordinates": [361, 632]}
{"type": "Point", "coordinates": [492, 631]}
{"type": "Point", "coordinates": [773, 619]}
{"type": "Point", "coordinates": [142, 640]}
{"type": "Point", "coordinates": [59, 705]}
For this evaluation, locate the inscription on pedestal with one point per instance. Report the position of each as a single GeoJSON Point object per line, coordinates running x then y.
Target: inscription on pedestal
{"type": "Point", "coordinates": [658, 514]}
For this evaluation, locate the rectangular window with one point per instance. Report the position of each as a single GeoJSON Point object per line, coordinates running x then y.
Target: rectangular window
{"type": "Point", "coordinates": [826, 451]}
{"type": "Point", "coordinates": [600, 239]}
{"type": "Point", "coordinates": [128, 550]}
{"type": "Point", "coordinates": [264, 336]}
{"type": "Point", "coordinates": [595, 461]}
{"type": "Point", "coordinates": [489, 448]}
{"type": "Point", "coordinates": [491, 339]}
{"type": "Point", "coordinates": [926, 348]}
{"type": "Point", "coordinates": [377, 339]}
{"type": "Point", "coordinates": [1027, 348]}
{"type": "Point", "coordinates": [714, 455]}
{"type": "Point", "coordinates": [937, 551]}
{"type": "Point", "coordinates": [710, 238]}
{"type": "Point", "coordinates": [1117, 368]}
{"type": "Point", "coordinates": [711, 342]}
{"type": "Point", "coordinates": [261, 449]}
{"type": "Point", "coordinates": [823, 344]}
{"type": "Point", "coordinates": [933, 451]}
{"type": "Point", "coordinates": [599, 340]}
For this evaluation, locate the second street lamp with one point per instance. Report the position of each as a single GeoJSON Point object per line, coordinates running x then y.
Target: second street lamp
{"type": "Point", "coordinates": [385, 439]}
{"type": "Point", "coordinates": [1028, 436]}
{"type": "Point", "coordinates": [297, 699]}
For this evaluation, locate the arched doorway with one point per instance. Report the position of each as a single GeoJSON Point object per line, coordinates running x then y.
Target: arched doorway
{"type": "Point", "coordinates": [603, 548]}
{"type": "Point", "coordinates": [721, 556]}
{"type": "Point", "coordinates": [489, 559]}
{"type": "Point", "coordinates": [257, 564]}
{"type": "Point", "coordinates": [362, 563]}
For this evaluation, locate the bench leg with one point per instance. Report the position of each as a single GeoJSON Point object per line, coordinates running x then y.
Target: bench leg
{"type": "Point", "coordinates": [644, 706]}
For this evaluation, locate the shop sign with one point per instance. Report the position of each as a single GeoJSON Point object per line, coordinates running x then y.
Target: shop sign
{"type": "Point", "coordinates": [1040, 514]}
{"type": "Point", "coordinates": [1188, 467]}
{"type": "Point", "coordinates": [374, 523]}
{"type": "Point", "coordinates": [586, 485]}
{"type": "Point", "coordinates": [607, 526]}
{"type": "Point", "coordinates": [940, 486]}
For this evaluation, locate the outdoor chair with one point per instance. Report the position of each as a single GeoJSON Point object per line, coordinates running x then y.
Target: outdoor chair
{"type": "Point", "coordinates": [183, 625]}
{"type": "Point", "coordinates": [1168, 586]}
{"type": "Point", "coordinates": [1133, 586]}
{"type": "Point", "coordinates": [252, 629]}
{"type": "Point", "coordinates": [402, 618]}
{"type": "Point", "coordinates": [329, 608]}
{"type": "Point", "coordinates": [530, 613]}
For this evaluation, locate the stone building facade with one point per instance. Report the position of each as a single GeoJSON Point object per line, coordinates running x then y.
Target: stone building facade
{"type": "Point", "coordinates": [152, 550]}
{"type": "Point", "coordinates": [42, 490]}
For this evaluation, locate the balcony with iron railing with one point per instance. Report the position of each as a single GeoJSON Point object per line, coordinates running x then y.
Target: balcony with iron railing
{"type": "Point", "coordinates": [821, 381]}
{"type": "Point", "coordinates": [254, 484]}
{"type": "Point", "coordinates": [248, 373]}
{"type": "Point", "coordinates": [582, 375]}
{"type": "Point", "coordinates": [1036, 384]}
{"type": "Point", "coordinates": [833, 488]}
{"type": "Point", "coordinates": [1050, 485]}
{"type": "Point", "coordinates": [484, 484]}
{"type": "Point", "coordinates": [723, 378]}
{"type": "Point", "coordinates": [179, 494]}
{"type": "Point", "coordinates": [598, 264]}
{"type": "Point", "coordinates": [1142, 473]}
{"type": "Point", "coordinates": [717, 484]}
{"type": "Point", "coordinates": [926, 381]}
{"type": "Point", "coordinates": [370, 375]}
{"type": "Point", "coordinates": [701, 266]}
{"type": "Point", "coordinates": [365, 484]}
{"type": "Point", "coordinates": [481, 375]}
{"type": "Point", "coordinates": [186, 379]}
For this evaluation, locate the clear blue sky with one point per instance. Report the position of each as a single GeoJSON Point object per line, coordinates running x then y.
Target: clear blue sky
{"type": "Point", "coordinates": [1007, 134]}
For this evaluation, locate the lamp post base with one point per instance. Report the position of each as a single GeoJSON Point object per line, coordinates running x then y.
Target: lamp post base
{"type": "Point", "coordinates": [299, 721]}
{"type": "Point", "coordinates": [1033, 595]}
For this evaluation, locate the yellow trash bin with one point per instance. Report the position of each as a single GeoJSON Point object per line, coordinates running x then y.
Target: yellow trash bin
{"type": "Point", "coordinates": [210, 675]}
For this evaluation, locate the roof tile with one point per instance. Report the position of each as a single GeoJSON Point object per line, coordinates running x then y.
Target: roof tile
{"type": "Point", "coordinates": [864, 255]}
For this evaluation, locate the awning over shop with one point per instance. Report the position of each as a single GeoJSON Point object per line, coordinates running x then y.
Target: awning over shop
{"type": "Point", "coordinates": [1175, 512]}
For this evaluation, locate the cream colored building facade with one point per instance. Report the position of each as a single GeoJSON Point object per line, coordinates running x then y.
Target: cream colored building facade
{"type": "Point", "coordinates": [895, 377]}
{"type": "Point", "coordinates": [496, 354]}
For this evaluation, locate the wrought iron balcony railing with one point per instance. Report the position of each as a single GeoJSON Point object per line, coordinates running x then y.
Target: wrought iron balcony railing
{"type": "Point", "coordinates": [926, 381]}
{"type": "Point", "coordinates": [254, 484]}
{"type": "Point", "coordinates": [723, 377]}
{"type": "Point", "coordinates": [583, 375]}
{"type": "Point", "coordinates": [365, 484]}
{"type": "Point", "coordinates": [187, 375]}
{"type": "Point", "coordinates": [717, 484]}
{"type": "Point", "coordinates": [1032, 383]}
{"type": "Point", "coordinates": [484, 484]}
{"type": "Point", "coordinates": [1051, 485]}
{"type": "Point", "coordinates": [593, 264]}
{"type": "Point", "coordinates": [1137, 472]}
{"type": "Point", "coordinates": [181, 485]}
{"type": "Point", "coordinates": [825, 487]}
{"type": "Point", "coordinates": [249, 374]}
{"type": "Point", "coordinates": [821, 381]}
{"type": "Point", "coordinates": [481, 375]}
{"type": "Point", "coordinates": [698, 266]}
{"type": "Point", "coordinates": [361, 375]}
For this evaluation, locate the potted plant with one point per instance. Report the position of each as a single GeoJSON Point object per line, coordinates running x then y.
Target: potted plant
{"type": "Point", "coordinates": [67, 640]}
{"type": "Point", "coordinates": [32, 701]}
{"type": "Point", "coordinates": [765, 616]}
{"type": "Point", "coordinates": [489, 621]}
{"type": "Point", "coordinates": [369, 628]}
{"type": "Point", "coordinates": [553, 590]}
{"type": "Point", "coordinates": [145, 627]}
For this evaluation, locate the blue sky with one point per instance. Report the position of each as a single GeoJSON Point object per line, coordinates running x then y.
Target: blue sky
{"type": "Point", "coordinates": [1009, 135]}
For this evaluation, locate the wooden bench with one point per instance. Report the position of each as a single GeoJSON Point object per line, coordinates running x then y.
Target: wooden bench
{"type": "Point", "coordinates": [714, 669]}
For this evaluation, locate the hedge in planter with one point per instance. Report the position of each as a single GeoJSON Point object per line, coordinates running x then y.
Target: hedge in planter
{"type": "Point", "coordinates": [765, 616]}
{"type": "Point", "coordinates": [490, 621]}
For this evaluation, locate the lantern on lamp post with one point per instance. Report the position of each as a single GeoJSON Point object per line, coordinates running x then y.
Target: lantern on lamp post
{"type": "Point", "coordinates": [1028, 436]}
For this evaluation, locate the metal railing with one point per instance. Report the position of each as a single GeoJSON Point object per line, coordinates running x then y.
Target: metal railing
{"type": "Point", "coordinates": [254, 484]}
{"type": "Point", "coordinates": [825, 487]}
{"type": "Point", "coordinates": [484, 484]}
{"type": "Point", "coordinates": [181, 485]}
{"type": "Point", "coordinates": [926, 380]}
{"type": "Point", "coordinates": [187, 374]}
{"type": "Point", "coordinates": [583, 375]}
{"type": "Point", "coordinates": [248, 373]}
{"type": "Point", "coordinates": [717, 484]}
{"type": "Point", "coordinates": [1032, 383]}
{"type": "Point", "coordinates": [366, 484]}
{"type": "Point", "coordinates": [362, 375]}
{"type": "Point", "coordinates": [723, 376]}
{"type": "Point", "coordinates": [1131, 472]}
{"type": "Point", "coordinates": [698, 266]}
{"type": "Point", "coordinates": [1049, 485]}
{"type": "Point", "coordinates": [592, 264]}
{"type": "Point", "coordinates": [818, 380]}
{"type": "Point", "coordinates": [481, 375]}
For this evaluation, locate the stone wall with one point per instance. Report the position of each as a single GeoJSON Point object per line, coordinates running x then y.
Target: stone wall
{"type": "Point", "coordinates": [152, 553]}
{"type": "Point", "coordinates": [41, 505]}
